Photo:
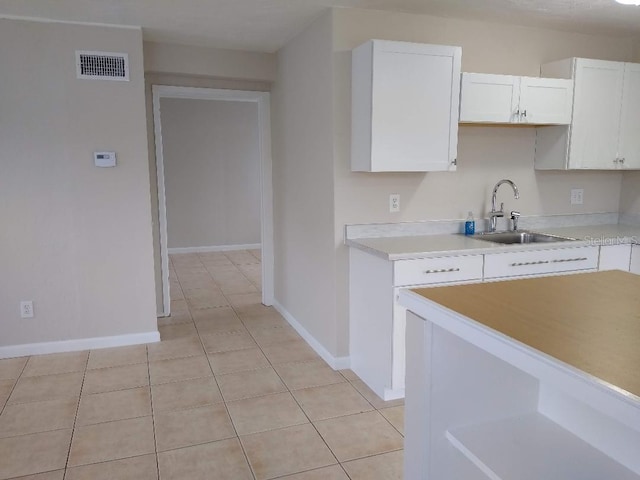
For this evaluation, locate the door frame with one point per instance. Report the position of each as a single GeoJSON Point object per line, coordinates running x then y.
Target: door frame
{"type": "Point", "coordinates": [262, 99]}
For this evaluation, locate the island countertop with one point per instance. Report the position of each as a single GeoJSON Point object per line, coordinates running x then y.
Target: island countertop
{"type": "Point", "coordinates": [590, 321]}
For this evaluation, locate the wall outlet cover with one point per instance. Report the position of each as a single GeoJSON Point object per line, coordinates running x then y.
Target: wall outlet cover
{"type": "Point", "coordinates": [26, 309]}
{"type": "Point", "coordinates": [577, 196]}
{"type": "Point", "coordinates": [394, 202]}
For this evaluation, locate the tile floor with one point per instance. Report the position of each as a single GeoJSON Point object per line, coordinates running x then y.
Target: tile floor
{"type": "Point", "coordinates": [231, 392]}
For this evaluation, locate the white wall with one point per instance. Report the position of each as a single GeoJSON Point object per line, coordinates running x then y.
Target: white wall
{"type": "Point", "coordinates": [210, 62]}
{"type": "Point", "coordinates": [75, 239]}
{"type": "Point", "coordinates": [212, 172]}
{"type": "Point", "coordinates": [303, 182]}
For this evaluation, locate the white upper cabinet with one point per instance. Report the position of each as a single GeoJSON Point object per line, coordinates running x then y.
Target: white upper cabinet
{"type": "Point", "coordinates": [404, 112]}
{"type": "Point", "coordinates": [488, 98]}
{"type": "Point", "coordinates": [603, 131]}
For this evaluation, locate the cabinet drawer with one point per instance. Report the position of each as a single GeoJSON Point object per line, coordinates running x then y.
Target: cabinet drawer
{"type": "Point", "coordinates": [540, 262]}
{"type": "Point", "coordinates": [426, 271]}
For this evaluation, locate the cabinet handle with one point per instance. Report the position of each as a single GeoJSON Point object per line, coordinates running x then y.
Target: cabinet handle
{"type": "Point", "coordinates": [563, 260]}
{"type": "Point", "coordinates": [525, 264]}
{"type": "Point", "coordinates": [442, 270]}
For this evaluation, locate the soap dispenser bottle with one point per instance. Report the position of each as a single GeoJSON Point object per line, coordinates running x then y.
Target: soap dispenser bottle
{"type": "Point", "coordinates": [470, 225]}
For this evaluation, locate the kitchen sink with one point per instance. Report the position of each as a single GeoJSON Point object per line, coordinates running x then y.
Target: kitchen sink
{"type": "Point", "coordinates": [520, 236]}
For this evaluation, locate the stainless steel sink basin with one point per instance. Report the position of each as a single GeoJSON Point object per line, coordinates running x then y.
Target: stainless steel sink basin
{"type": "Point", "coordinates": [520, 237]}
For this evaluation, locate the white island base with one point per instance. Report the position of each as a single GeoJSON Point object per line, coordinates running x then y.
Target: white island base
{"type": "Point", "coordinates": [481, 405]}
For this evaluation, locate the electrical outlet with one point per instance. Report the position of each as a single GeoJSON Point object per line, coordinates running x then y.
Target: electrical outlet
{"type": "Point", "coordinates": [26, 309]}
{"type": "Point", "coordinates": [394, 202]}
{"type": "Point", "coordinates": [577, 196]}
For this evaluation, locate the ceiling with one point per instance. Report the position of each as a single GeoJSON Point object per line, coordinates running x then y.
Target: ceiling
{"type": "Point", "coordinates": [266, 25]}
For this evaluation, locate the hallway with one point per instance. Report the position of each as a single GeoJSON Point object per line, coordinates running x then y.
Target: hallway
{"type": "Point", "coordinates": [231, 392]}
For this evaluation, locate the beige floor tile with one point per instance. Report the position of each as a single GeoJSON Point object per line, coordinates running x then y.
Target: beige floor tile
{"type": "Point", "coordinates": [329, 401]}
{"type": "Point", "coordinates": [184, 428]}
{"type": "Point", "coordinates": [349, 375]}
{"type": "Point", "coordinates": [188, 394]}
{"type": "Point", "coordinates": [227, 341]}
{"type": "Point", "coordinates": [221, 460]}
{"type": "Point", "coordinates": [271, 320]}
{"type": "Point", "coordinates": [287, 352]}
{"type": "Point", "coordinates": [238, 286]}
{"type": "Point", "coordinates": [35, 417]}
{"type": "Point", "coordinates": [222, 313]}
{"type": "Point", "coordinates": [137, 468]}
{"type": "Point", "coordinates": [47, 387]}
{"type": "Point", "coordinates": [179, 369]}
{"type": "Point", "coordinates": [36, 453]}
{"type": "Point", "coordinates": [237, 361]}
{"type": "Point", "coordinates": [208, 327]}
{"type": "Point", "coordinates": [115, 378]}
{"type": "Point", "coordinates": [388, 466]}
{"type": "Point", "coordinates": [360, 435]}
{"type": "Point", "coordinates": [180, 348]}
{"type": "Point", "coordinates": [56, 363]}
{"type": "Point", "coordinates": [241, 257]}
{"type": "Point", "coordinates": [253, 383]}
{"type": "Point", "coordinates": [56, 475]}
{"type": "Point", "coordinates": [269, 412]}
{"type": "Point", "coordinates": [6, 386]}
{"type": "Point", "coordinates": [111, 406]}
{"type": "Point", "coordinates": [112, 441]}
{"type": "Point", "coordinates": [308, 374]}
{"type": "Point", "coordinates": [334, 472]}
{"type": "Point", "coordinates": [179, 306]}
{"type": "Point", "coordinates": [208, 301]}
{"type": "Point", "coordinates": [395, 416]}
{"type": "Point", "coordinates": [11, 368]}
{"type": "Point", "coordinates": [289, 450]}
{"type": "Point", "coordinates": [271, 335]}
{"type": "Point", "coordinates": [175, 318]}
{"type": "Point", "coordinates": [240, 300]}
{"type": "Point", "coordinates": [374, 399]}
{"type": "Point", "coordinates": [117, 357]}
{"type": "Point", "coordinates": [182, 330]}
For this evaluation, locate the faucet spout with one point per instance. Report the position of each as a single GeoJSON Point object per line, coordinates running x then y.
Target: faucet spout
{"type": "Point", "coordinates": [494, 214]}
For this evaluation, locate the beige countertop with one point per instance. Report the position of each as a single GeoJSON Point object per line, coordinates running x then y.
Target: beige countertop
{"type": "Point", "coordinates": [425, 246]}
{"type": "Point", "coordinates": [590, 321]}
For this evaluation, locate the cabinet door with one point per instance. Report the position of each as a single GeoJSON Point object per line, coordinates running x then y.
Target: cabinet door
{"type": "Point", "coordinates": [635, 259]}
{"type": "Point", "coordinates": [407, 96]}
{"type": "Point", "coordinates": [614, 257]}
{"type": "Point", "coordinates": [489, 98]}
{"type": "Point", "coordinates": [629, 143]}
{"type": "Point", "coordinates": [596, 114]}
{"type": "Point", "coordinates": [546, 101]}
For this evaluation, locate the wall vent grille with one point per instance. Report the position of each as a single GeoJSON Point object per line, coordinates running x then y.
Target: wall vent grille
{"type": "Point", "coordinates": [102, 65]}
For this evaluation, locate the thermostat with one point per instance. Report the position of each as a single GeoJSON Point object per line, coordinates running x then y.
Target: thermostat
{"type": "Point", "coordinates": [104, 159]}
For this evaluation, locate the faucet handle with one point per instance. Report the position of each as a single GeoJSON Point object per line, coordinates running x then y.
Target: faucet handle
{"type": "Point", "coordinates": [515, 216]}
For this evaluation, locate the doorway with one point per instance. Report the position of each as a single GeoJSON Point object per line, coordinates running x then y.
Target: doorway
{"type": "Point", "coordinates": [262, 102]}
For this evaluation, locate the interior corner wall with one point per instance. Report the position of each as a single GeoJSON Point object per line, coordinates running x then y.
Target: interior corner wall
{"type": "Point", "coordinates": [302, 119]}
{"type": "Point", "coordinates": [168, 58]}
{"type": "Point", "coordinates": [211, 153]}
{"type": "Point", "coordinates": [76, 239]}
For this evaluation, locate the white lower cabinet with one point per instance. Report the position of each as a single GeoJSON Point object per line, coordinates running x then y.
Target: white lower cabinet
{"type": "Point", "coordinates": [635, 259]}
{"type": "Point", "coordinates": [615, 257]}
{"type": "Point", "coordinates": [540, 262]}
{"type": "Point", "coordinates": [377, 322]}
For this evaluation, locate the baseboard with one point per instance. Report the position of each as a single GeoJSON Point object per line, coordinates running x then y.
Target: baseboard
{"type": "Point", "coordinates": [75, 345]}
{"type": "Point", "coordinates": [337, 363]}
{"type": "Point", "coordinates": [215, 248]}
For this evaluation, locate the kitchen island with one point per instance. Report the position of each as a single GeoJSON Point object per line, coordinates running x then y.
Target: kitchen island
{"type": "Point", "coordinates": [524, 379]}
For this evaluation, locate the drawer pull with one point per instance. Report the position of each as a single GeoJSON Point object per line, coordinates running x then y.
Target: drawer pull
{"type": "Point", "coordinates": [442, 270]}
{"type": "Point", "coordinates": [526, 264]}
{"type": "Point", "coordinates": [563, 260]}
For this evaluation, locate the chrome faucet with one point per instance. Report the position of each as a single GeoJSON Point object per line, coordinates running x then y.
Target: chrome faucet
{"type": "Point", "coordinates": [494, 214]}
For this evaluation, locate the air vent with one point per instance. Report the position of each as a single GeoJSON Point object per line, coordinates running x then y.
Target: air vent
{"type": "Point", "coordinates": [102, 65]}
